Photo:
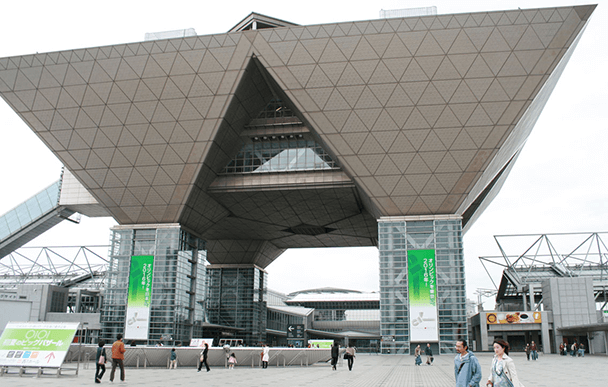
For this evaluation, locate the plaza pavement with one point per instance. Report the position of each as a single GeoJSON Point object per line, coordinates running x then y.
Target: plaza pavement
{"type": "Point", "coordinates": [369, 370]}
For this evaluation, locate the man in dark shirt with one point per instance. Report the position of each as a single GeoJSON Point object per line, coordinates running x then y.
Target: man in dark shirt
{"type": "Point", "coordinates": [429, 354]}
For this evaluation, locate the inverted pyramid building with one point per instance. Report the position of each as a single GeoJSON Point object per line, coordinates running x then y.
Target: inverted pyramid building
{"type": "Point", "coordinates": [394, 133]}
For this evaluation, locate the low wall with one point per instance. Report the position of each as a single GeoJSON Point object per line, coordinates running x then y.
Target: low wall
{"type": "Point", "coordinates": [142, 356]}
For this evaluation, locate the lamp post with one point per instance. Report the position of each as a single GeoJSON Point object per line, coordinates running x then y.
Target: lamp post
{"type": "Point", "coordinates": [81, 326]}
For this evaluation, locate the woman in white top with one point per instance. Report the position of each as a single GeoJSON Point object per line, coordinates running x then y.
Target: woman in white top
{"type": "Point", "coordinates": [265, 356]}
{"type": "Point", "coordinates": [503, 372]}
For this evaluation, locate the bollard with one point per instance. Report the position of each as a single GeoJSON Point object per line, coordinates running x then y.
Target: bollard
{"type": "Point", "coordinates": [137, 363]}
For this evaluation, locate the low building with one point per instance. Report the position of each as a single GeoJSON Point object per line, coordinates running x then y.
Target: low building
{"type": "Point", "coordinates": [549, 296]}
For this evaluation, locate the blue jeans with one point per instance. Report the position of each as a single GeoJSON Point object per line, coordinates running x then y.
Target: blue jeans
{"type": "Point", "coordinates": [534, 355]}
{"type": "Point", "coordinates": [581, 352]}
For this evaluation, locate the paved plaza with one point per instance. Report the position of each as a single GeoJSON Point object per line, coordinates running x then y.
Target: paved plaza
{"type": "Point", "coordinates": [369, 370]}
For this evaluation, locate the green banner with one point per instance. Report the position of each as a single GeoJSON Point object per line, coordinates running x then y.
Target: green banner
{"type": "Point", "coordinates": [139, 297]}
{"type": "Point", "coordinates": [422, 279]}
{"type": "Point", "coordinates": [140, 281]}
{"type": "Point", "coordinates": [422, 289]}
{"type": "Point", "coordinates": [56, 339]}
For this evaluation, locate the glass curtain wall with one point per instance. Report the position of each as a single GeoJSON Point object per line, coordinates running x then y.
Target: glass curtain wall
{"type": "Point", "coordinates": [178, 285]}
{"type": "Point", "coordinates": [395, 239]}
{"type": "Point", "coordinates": [237, 298]}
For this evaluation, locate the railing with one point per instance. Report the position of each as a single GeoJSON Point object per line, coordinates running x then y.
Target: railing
{"type": "Point", "coordinates": [189, 357]}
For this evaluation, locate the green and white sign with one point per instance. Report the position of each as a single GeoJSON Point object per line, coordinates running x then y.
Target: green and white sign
{"type": "Point", "coordinates": [36, 344]}
{"type": "Point", "coordinates": [139, 297]}
{"type": "Point", "coordinates": [422, 287]}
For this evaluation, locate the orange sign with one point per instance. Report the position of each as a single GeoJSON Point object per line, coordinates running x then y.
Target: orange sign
{"type": "Point", "coordinates": [513, 317]}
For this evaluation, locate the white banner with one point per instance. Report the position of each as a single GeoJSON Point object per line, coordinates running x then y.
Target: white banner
{"type": "Point", "coordinates": [201, 342]}
{"type": "Point", "coordinates": [36, 344]}
{"type": "Point", "coordinates": [137, 323]}
{"type": "Point", "coordinates": [424, 323]}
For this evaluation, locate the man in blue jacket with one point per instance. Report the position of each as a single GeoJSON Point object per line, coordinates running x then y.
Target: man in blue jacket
{"type": "Point", "coordinates": [467, 371]}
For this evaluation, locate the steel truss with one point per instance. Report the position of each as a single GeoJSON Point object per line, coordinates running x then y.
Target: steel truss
{"type": "Point", "coordinates": [69, 266]}
{"type": "Point", "coordinates": [546, 256]}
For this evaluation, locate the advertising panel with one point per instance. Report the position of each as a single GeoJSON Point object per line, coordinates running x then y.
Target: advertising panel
{"type": "Point", "coordinates": [201, 342]}
{"type": "Point", "coordinates": [317, 343]}
{"type": "Point", "coordinates": [422, 287]}
{"type": "Point", "coordinates": [139, 297]}
{"type": "Point", "coordinates": [36, 344]}
{"type": "Point", "coordinates": [513, 318]}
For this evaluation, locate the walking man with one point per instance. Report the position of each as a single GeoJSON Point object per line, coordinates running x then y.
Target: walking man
{"type": "Point", "coordinates": [173, 359]}
{"type": "Point", "coordinates": [527, 349]}
{"type": "Point", "coordinates": [429, 354]}
{"type": "Point", "coordinates": [534, 350]}
{"type": "Point", "coordinates": [118, 355]}
{"type": "Point", "coordinates": [573, 349]}
{"type": "Point", "coordinates": [467, 371]}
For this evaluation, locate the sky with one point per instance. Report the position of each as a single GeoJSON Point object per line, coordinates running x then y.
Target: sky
{"type": "Point", "coordinates": [558, 185]}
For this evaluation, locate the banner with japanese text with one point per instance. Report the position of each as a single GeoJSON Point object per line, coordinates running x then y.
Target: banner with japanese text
{"type": "Point", "coordinates": [139, 297]}
{"type": "Point", "coordinates": [422, 288]}
{"type": "Point", "coordinates": [36, 344]}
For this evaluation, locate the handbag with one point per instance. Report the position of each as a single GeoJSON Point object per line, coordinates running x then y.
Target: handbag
{"type": "Point", "coordinates": [346, 355]}
{"type": "Point", "coordinates": [102, 359]}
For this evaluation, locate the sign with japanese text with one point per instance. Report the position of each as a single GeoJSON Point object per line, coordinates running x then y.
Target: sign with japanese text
{"type": "Point", "coordinates": [139, 297]}
{"type": "Point", "coordinates": [422, 288]}
{"type": "Point", "coordinates": [36, 344]}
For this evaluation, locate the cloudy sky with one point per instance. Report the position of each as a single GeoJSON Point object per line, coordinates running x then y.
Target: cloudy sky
{"type": "Point", "coordinates": [559, 183]}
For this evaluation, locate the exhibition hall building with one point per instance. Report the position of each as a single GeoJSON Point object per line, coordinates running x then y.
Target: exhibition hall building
{"type": "Point", "coordinates": [217, 153]}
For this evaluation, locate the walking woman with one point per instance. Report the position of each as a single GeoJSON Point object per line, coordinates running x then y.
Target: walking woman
{"type": "Point", "coordinates": [203, 359]}
{"type": "Point", "coordinates": [350, 356]}
{"type": "Point", "coordinates": [100, 361]}
{"type": "Point", "coordinates": [503, 372]}
{"type": "Point", "coordinates": [417, 353]}
{"type": "Point", "coordinates": [265, 356]}
{"type": "Point", "coordinates": [335, 352]}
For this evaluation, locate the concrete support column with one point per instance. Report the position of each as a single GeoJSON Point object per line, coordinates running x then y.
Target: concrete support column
{"type": "Point", "coordinates": [178, 287]}
{"type": "Point", "coordinates": [483, 326]}
{"type": "Point", "coordinates": [544, 331]}
{"type": "Point", "coordinates": [531, 295]}
{"type": "Point", "coordinates": [422, 291]}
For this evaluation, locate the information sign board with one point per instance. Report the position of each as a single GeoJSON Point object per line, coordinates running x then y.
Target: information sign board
{"type": "Point", "coordinates": [36, 344]}
{"type": "Point", "coordinates": [295, 331]}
